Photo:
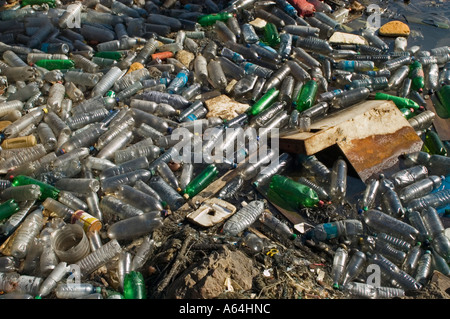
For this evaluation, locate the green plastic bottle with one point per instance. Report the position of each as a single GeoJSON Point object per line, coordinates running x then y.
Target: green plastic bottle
{"type": "Point", "coordinates": [271, 35]}
{"type": "Point", "coordinates": [47, 190]}
{"type": "Point", "coordinates": [57, 64]}
{"type": "Point", "coordinates": [134, 286]}
{"type": "Point", "coordinates": [8, 208]}
{"type": "Point", "coordinates": [201, 181]}
{"type": "Point", "coordinates": [433, 144]}
{"type": "Point", "coordinates": [293, 193]}
{"type": "Point", "coordinates": [50, 3]}
{"type": "Point", "coordinates": [307, 96]}
{"type": "Point", "coordinates": [264, 102]}
{"type": "Point", "coordinates": [210, 19]}
{"type": "Point", "coordinates": [443, 94]}
{"type": "Point", "coordinates": [400, 102]}
{"type": "Point", "coordinates": [417, 76]}
{"type": "Point", "coordinates": [114, 55]}
{"type": "Point", "coordinates": [407, 112]}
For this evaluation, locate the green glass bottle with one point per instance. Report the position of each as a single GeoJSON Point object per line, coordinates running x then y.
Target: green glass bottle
{"type": "Point", "coordinates": [201, 181]}
{"type": "Point", "coordinates": [114, 55]}
{"type": "Point", "coordinates": [271, 35]}
{"type": "Point", "coordinates": [264, 102]}
{"type": "Point", "coordinates": [307, 96]}
{"type": "Point", "coordinates": [400, 102]}
{"type": "Point", "coordinates": [50, 3]}
{"type": "Point", "coordinates": [47, 190]}
{"type": "Point", "coordinates": [134, 286]}
{"type": "Point", "coordinates": [443, 94]}
{"type": "Point", "coordinates": [8, 208]}
{"type": "Point", "coordinates": [407, 112]}
{"type": "Point", "coordinates": [433, 144]}
{"type": "Point", "coordinates": [57, 64]}
{"type": "Point", "coordinates": [295, 194]}
{"type": "Point", "coordinates": [417, 76]}
{"type": "Point", "coordinates": [210, 19]}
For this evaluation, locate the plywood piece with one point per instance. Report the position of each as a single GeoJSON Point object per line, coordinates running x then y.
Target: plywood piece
{"type": "Point", "coordinates": [372, 135]}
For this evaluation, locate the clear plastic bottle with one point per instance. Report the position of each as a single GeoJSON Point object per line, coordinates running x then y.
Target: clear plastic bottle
{"type": "Point", "coordinates": [143, 252]}
{"type": "Point", "coordinates": [393, 272]}
{"type": "Point", "coordinates": [389, 251]}
{"type": "Point", "coordinates": [243, 218]}
{"type": "Point", "coordinates": [75, 291]}
{"type": "Point", "coordinates": [392, 204]}
{"type": "Point", "coordinates": [135, 227]}
{"type": "Point", "coordinates": [350, 97]}
{"type": "Point", "coordinates": [437, 200]}
{"type": "Point", "coordinates": [51, 281]}
{"type": "Point", "coordinates": [138, 199]}
{"type": "Point", "coordinates": [30, 228]}
{"type": "Point", "coordinates": [338, 181]}
{"type": "Point", "coordinates": [340, 260]}
{"type": "Point", "coordinates": [107, 81]}
{"type": "Point", "coordinates": [16, 283]}
{"type": "Point", "coordinates": [112, 205]}
{"type": "Point", "coordinates": [21, 193]}
{"type": "Point", "coordinates": [432, 221]}
{"type": "Point", "coordinates": [390, 225]}
{"type": "Point", "coordinates": [277, 225]}
{"type": "Point", "coordinates": [441, 244]}
{"type": "Point", "coordinates": [109, 185]}
{"type": "Point", "coordinates": [99, 257]}
{"type": "Point", "coordinates": [151, 152]}
{"type": "Point", "coordinates": [354, 267]}
{"type": "Point", "coordinates": [170, 196]}
{"type": "Point", "coordinates": [253, 165]}
{"type": "Point", "coordinates": [264, 176]}
{"type": "Point", "coordinates": [78, 185]}
{"type": "Point", "coordinates": [361, 290]}
{"type": "Point", "coordinates": [420, 188]}
{"type": "Point", "coordinates": [424, 268]}
{"type": "Point", "coordinates": [253, 243]}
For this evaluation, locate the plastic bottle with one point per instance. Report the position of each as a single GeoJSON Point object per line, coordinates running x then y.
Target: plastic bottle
{"type": "Point", "coordinates": [8, 208]}
{"type": "Point", "coordinates": [390, 225]}
{"type": "Point", "coordinates": [433, 144]}
{"type": "Point", "coordinates": [170, 196]}
{"type": "Point", "coordinates": [243, 218]}
{"type": "Point", "coordinates": [112, 183]}
{"type": "Point", "coordinates": [441, 244]}
{"type": "Point", "coordinates": [277, 225]}
{"type": "Point", "coordinates": [201, 181]}
{"type": "Point", "coordinates": [432, 221]}
{"type": "Point", "coordinates": [424, 268]}
{"type": "Point", "coordinates": [307, 95]}
{"type": "Point", "coordinates": [138, 198]}
{"type": "Point", "coordinates": [52, 280]}
{"type": "Point", "coordinates": [338, 229]}
{"type": "Point", "coordinates": [252, 166]}
{"type": "Point", "coordinates": [134, 286]}
{"type": "Point", "coordinates": [392, 203]}
{"type": "Point", "coordinates": [75, 291]}
{"type": "Point", "coordinates": [417, 76]}
{"type": "Point", "coordinates": [142, 253]}
{"type": "Point", "coordinates": [340, 260]}
{"type": "Point", "coordinates": [437, 200]}
{"type": "Point", "coordinates": [316, 168]}
{"type": "Point", "coordinates": [338, 181]}
{"type": "Point", "coordinates": [389, 251]}
{"type": "Point", "coordinates": [361, 290]}
{"type": "Point", "coordinates": [21, 193]}
{"type": "Point", "coordinates": [30, 228]}
{"type": "Point", "coordinates": [353, 268]}
{"type": "Point", "coordinates": [16, 283]}
{"type": "Point", "coordinates": [392, 271]}
{"type": "Point", "coordinates": [99, 257]}
{"type": "Point", "coordinates": [350, 97]}
{"type": "Point", "coordinates": [46, 189]}
{"type": "Point", "coordinates": [134, 227]}
{"type": "Point", "coordinates": [253, 243]}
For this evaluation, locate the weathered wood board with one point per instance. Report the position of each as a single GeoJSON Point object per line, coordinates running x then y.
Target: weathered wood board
{"type": "Point", "coordinates": [372, 135]}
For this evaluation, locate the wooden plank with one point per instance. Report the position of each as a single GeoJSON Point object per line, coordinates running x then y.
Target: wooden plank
{"type": "Point", "coordinates": [372, 135]}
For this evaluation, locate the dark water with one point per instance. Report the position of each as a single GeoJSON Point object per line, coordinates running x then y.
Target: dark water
{"type": "Point", "coordinates": [429, 21]}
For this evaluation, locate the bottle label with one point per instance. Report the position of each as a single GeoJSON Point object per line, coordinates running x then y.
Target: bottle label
{"type": "Point", "coordinates": [331, 230]}
{"type": "Point", "coordinates": [85, 220]}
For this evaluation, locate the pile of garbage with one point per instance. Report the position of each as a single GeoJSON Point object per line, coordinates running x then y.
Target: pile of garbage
{"type": "Point", "coordinates": [139, 156]}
